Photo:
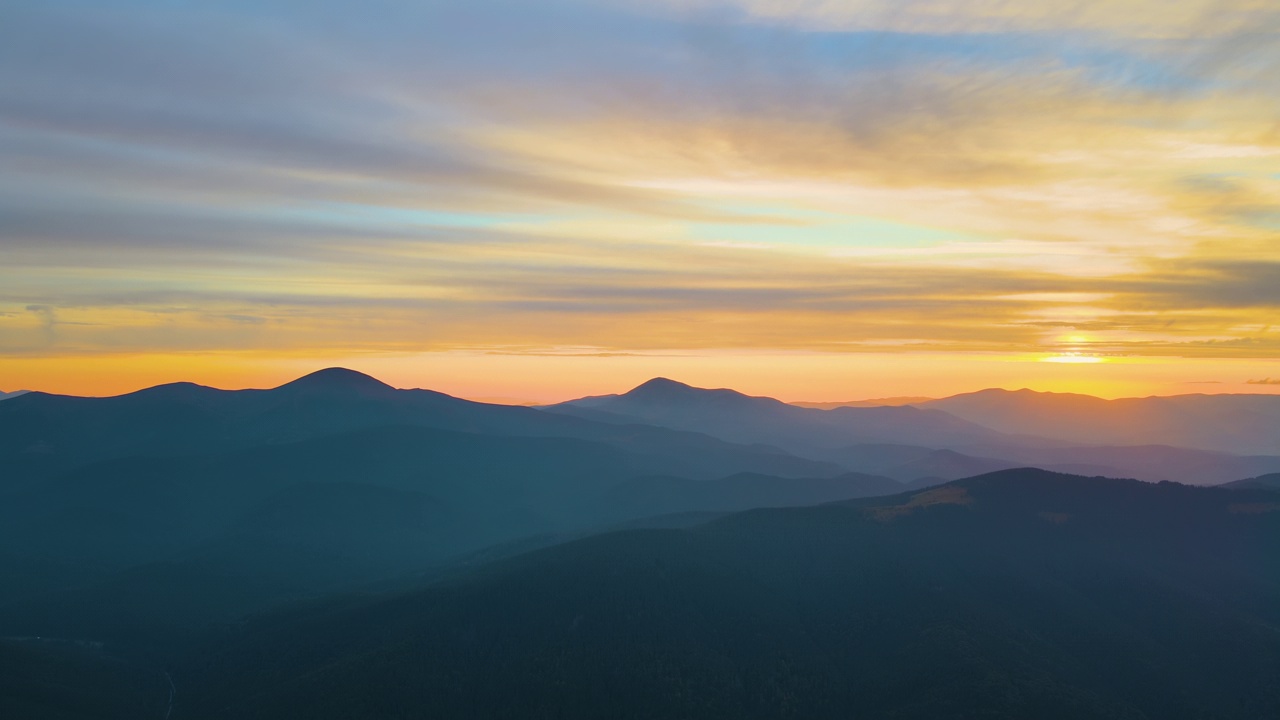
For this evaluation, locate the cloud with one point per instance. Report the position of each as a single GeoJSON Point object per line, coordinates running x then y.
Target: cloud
{"type": "Point", "coordinates": [817, 176]}
{"type": "Point", "coordinates": [1131, 18]}
{"type": "Point", "coordinates": [1264, 381]}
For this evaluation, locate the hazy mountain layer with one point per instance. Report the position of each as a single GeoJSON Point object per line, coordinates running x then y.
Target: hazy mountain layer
{"type": "Point", "coordinates": [1240, 424]}
{"type": "Point", "coordinates": [151, 519]}
{"type": "Point", "coordinates": [908, 445]}
{"type": "Point", "coordinates": [878, 402]}
{"type": "Point", "coordinates": [149, 547]}
{"type": "Point", "coordinates": [732, 416]}
{"type": "Point", "coordinates": [1018, 594]}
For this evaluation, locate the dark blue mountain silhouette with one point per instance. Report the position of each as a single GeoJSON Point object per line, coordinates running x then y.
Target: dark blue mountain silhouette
{"type": "Point", "coordinates": [1015, 594]}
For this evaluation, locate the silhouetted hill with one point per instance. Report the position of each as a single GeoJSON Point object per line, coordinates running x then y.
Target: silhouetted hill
{"type": "Point", "coordinates": [336, 380]}
{"type": "Point", "coordinates": [851, 436]}
{"type": "Point", "coordinates": [1011, 595]}
{"type": "Point", "coordinates": [42, 435]}
{"type": "Point", "coordinates": [1263, 482]}
{"type": "Point", "coordinates": [735, 417]}
{"type": "Point", "coordinates": [1145, 462]}
{"type": "Point", "coordinates": [1239, 424]}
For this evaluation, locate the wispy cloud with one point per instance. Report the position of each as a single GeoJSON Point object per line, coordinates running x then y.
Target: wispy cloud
{"type": "Point", "coordinates": [630, 177]}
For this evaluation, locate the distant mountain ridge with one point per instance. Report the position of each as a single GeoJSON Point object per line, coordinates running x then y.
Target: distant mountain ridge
{"type": "Point", "coordinates": [1238, 424]}
{"type": "Point", "coordinates": [14, 394]}
{"type": "Point", "coordinates": [875, 402]}
{"type": "Point", "coordinates": [930, 441]}
{"type": "Point", "coordinates": [42, 434]}
{"type": "Point", "coordinates": [139, 517]}
{"type": "Point", "coordinates": [733, 416]}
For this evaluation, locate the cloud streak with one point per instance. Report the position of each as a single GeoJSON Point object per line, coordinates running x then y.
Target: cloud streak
{"type": "Point", "coordinates": [638, 177]}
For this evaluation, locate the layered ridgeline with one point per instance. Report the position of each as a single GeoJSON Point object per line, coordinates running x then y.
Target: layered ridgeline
{"type": "Point", "coordinates": [967, 435]}
{"type": "Point", "coordinates": [1238, 424]}
{"type": "Point", "coordinates": [42, 435]}
{"type": "Point", "coordinates": [139, 533]}
{"type": "Point", "coordinates": [136, 518]}
{"type": "Point", "coordinates": [1012, 595]}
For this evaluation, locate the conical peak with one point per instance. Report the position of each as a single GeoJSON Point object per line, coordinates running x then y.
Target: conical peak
{"type": "Point", "coordinates": [661, 385]}
{"type": "Point", "coordinates": [336, 379]}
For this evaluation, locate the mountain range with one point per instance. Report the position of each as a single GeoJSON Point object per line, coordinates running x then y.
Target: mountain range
{"type": "Point", "coordinates": [336, 547]}
{"type": "Point", "coordinates": [1238, 424]}
{"type": "Point", "coordinates": [941, 440]}
{"type": "Point", "coordinates": [740, 418]}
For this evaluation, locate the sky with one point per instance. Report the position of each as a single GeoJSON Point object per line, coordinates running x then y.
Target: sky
{"type": "Point", "coordinates": [541, 199]}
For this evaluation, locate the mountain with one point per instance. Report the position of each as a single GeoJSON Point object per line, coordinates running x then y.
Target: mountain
{"type": "Point", "coordinates": [1237, 424]}
{"type": "Point", "coordinates": [1153, 463]}
{"type": "Point", "coordinates": [140, 518]}
{"type": "Point", "coordinates": [735, 417]}
{"type": "Point", "coordinates": [148, 547]}
{"type": "Point", "coordinates": [1263, 482]}
{"type": "Point", "coordinates": [314, 536]}
{"type": "Point", "coordinates": [905, 443]}
{"type": "Point", "coordinates": [907, 463]}
{"type": "Point", "coordinates": [948, 464]}
{"type": "Point", "coordinates": [878, 402]}
{"type": "Point", "coordinates": [10, 395]}
{"type": "Point", "coordinates": [43, 435]}
{"type": "Point", "coordinates": [1015, 594]}
{"type": "Point", "coordinates": [337, 381]}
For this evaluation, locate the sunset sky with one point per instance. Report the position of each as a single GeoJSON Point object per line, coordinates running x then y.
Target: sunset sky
{"type": "Point", "coordinates": [537, 200]}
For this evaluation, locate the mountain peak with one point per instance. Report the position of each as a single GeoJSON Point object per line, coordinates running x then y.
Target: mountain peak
{"type": "Point", "coordinates": [660, 385]}
{"type": "Point", "coordinates": [1029, 478]}
{"type": "Point", "coordinates": [664, 392]}
{"type": "Point", "coordinates": [173, 390]}
{"type": "Point", "coordinates": [337, 379]}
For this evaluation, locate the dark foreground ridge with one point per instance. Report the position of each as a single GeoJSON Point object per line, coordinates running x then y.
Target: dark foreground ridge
{"type": "Point", "coordinates": [1011, 595]}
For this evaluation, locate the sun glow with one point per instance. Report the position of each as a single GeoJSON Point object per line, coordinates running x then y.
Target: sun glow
{"type": "Point", "coordinates": [1074, 358]}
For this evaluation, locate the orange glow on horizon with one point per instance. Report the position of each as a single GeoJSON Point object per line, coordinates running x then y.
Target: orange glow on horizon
{"type": "Point", "coordinates": [795, 219]}
{"type": "Point", "coordinates": [551, 378]}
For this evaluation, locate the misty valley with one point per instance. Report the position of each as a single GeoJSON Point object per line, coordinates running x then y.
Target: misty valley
{"type": "Point", "coordinates": [338, 548]}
